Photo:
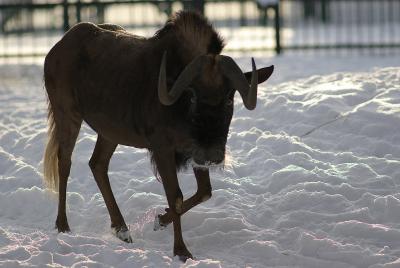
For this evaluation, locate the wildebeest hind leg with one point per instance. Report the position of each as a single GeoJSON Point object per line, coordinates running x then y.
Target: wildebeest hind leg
{"type": "Point", "coordinates": [203, 194]}
{"type": "Point", "coordinates": [67, 129]}
{"type": "Point", "coordinates": [99, 163]}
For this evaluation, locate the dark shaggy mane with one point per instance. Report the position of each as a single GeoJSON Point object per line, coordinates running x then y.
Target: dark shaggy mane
{"type": "Point", "coordinates": [181, 162]}
{"type": "Point", "coordinates": [196, 32]}
{"type": "Point", "coordinates": [194, 36]}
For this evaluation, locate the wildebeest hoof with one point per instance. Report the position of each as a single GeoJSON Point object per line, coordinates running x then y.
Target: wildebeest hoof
{"type": "Point", "coordinates": [158, 225]}
{"type": "Point", "coordinates": [123, 234]}
{"type": "Point", "coordinates": [62, 226]}
{"type": "Point", "coordinates": [63, 229]}
{"type": "Point", "coordinates": [205, 197]}
{"type": "Point", "coordinates": [179, 205]}
{"type": "Point", "coordinates": [183, 254]}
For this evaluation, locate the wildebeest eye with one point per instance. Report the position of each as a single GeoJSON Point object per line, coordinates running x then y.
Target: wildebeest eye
{"type": "Point", "coordinates": [229, 102]}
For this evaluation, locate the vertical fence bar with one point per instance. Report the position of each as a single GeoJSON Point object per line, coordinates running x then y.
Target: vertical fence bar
{"type": "Point", "coordinates": [32, 39]}
{"type": "Point", "coordinates": [391, 21]}
{"type": "Point", "coordinates": [65, 15]}
{"type": "Point", "coordinates": [319, 33]}
{"type": "Point", "coordinates": [341, 28]}
{"type": "Point", "coordinates": [18, 36]}
{"type": "Point", "coordinates": [100, 12]}
{"type": "Point", "coordinates": [278, 48]}
{"type": "Point", "coordinates": [78, 11]}
{"type": "Point", "coordinates": [324, 11]}
{"type": "Point", "coordinates": [242, 13]}
{"type": "Point", "coordinates": [198, 5]}
{"type": "Point", "coordinates": [370, 23]}
{"type": "Point", "coordinates": [383, 16]}
{"type": "Point", "coordinates": [355, 31]}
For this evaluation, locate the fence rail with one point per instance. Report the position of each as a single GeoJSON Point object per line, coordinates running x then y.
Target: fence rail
{"type": "Point", "coordinates": [29, 28]}
{"type": "Point", "coordinates": [340, 24]}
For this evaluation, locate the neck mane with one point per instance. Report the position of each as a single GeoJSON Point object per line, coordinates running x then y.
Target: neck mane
{"type": "Point", "coordinates": [196, 34]}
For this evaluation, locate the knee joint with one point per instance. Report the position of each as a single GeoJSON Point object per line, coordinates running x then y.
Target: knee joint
{"type": "Point", "coordinates": [96, 166]}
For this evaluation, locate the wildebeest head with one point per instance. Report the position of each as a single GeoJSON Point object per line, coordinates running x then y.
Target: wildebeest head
{"type": "Point", "coordinates": [212, 81]}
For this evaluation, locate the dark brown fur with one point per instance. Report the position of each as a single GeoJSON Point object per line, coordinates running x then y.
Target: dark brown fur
{"type": "Point", "coordinates": [108, 78]}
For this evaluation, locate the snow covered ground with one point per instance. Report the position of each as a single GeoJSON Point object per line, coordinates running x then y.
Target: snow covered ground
{"type": "Point", "coordinates": [313, 178]}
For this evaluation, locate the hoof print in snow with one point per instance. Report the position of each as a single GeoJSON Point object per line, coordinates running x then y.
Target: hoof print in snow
{"type": "Point", "coordinates": [158, 225]}
{"type": "Point", "coordinates": [123, 234]}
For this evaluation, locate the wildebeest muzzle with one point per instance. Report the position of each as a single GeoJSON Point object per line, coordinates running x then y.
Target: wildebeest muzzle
{"type": "Point", "coordinates": [211, 156]}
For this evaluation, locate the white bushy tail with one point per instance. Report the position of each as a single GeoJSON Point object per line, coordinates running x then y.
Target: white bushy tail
{"type": "Point", "coordinates": [50, 161]}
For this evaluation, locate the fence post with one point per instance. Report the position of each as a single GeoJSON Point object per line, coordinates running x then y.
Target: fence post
{"type": "Point", "coordinates": [168, 8]}
{"type": "Point", "coordinates": [198, 5]}
{"type": "Point", "coordinates": [195, 5]}
{"type": "Point", "coordinates": [100, 11]}
{"type": "Point", "coordinates": [324, 11]}
{"type": "Point", "coordinates": [278, 48]}
{"type": "Point", "coordinates": [243, 21]}
{"type": "Point", "coordinates": [78, 11]}
{"type": "Point", "coordinates": [65, 15]}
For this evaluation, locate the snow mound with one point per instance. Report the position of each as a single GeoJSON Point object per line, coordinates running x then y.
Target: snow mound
{"type": "Point", "coordinates": [312, 181]}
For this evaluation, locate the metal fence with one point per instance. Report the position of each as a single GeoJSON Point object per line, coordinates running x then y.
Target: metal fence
{"type": "Point", "coordinates": [364, 25]}
{"type": "Point", "coordinates": [29, 28]}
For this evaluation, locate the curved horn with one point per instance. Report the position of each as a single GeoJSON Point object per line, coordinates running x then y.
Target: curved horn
{"type": "Point", "coordinates": [182, 83]}
{"type": "Point", "coordinates": [239, 81]}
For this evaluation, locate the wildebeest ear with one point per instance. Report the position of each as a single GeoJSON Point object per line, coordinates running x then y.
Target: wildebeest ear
{"type": "Point", "coordinates": [263, 74]}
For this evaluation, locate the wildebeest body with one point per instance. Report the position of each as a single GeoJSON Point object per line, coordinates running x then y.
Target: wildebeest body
{"type": "Point", "coordinates": [105, 70]}
{"type": "Point", "coordinates": [171, 93]}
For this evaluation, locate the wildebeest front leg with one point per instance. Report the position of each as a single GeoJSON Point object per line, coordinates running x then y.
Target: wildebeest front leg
{"type": "Point", "coordinates": [203, 194]}
{"type": "Point", "coordinates": [165, 162]}
{"type": "Point", "coordinates": [99, 165]}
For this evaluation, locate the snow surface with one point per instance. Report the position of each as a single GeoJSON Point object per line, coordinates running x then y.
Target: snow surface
{"type": "Point", "coordinates": [312, 178]}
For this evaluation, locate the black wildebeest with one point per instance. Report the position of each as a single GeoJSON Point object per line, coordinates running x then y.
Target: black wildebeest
{"type": "Point", "coordinates": [171, 93]}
